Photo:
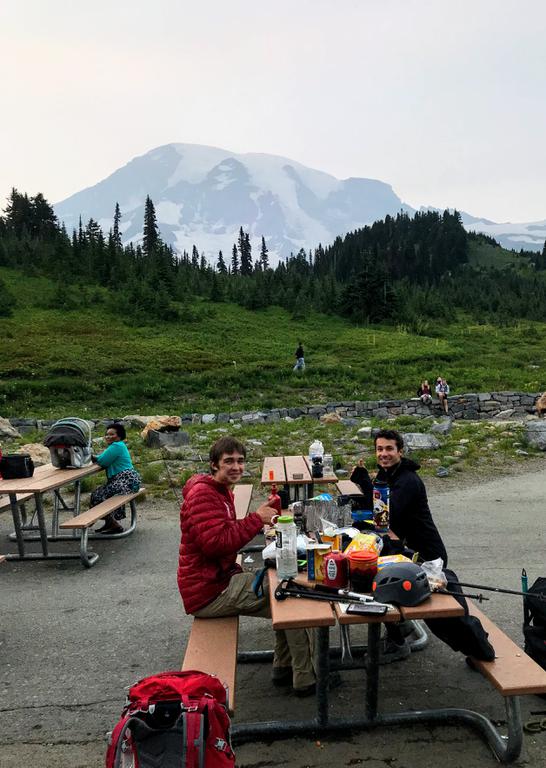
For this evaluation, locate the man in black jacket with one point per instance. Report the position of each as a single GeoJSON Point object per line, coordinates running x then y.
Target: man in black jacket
{"type": "Point", "coordinates": [411, 520]}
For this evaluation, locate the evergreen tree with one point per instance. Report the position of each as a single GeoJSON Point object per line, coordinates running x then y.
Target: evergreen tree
{"type": "Point", "coordinates": [264, 255]}
{"type": "Point", "coordinates": [150, 232]}
{"type": "Point", "coordinates": [195, 257]}
{"type": "Point", "coordinates": [221, 264]}
{"type": "Point", "coordinates": [116, 235]}
{"type": "Point", "coordinates": [234, 261]}
{"type": "Point", "coordinates": [245, 253]}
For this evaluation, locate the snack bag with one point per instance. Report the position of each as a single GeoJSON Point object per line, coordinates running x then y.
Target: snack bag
{"type": "Point", "coordinates": [363, 542]}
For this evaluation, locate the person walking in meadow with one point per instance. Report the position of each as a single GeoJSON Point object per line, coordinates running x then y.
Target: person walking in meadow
{"type": "Point", "coordinates": [300, 358]}
{"type": "Point", "coordinates": [442, 390]}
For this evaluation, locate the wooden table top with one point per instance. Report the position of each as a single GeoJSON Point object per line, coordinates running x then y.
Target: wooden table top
{"type": "Point", "coordinates": [47, 478]}
{"type": "Point", "coordinates": [435, 607]}
{"type": "Point", "coordinates": [291, 470]}
{"type": "Point", "coordinates": [295, 613]}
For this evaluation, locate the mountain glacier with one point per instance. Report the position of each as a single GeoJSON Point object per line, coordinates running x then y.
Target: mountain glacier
{"type": "Point", "coordinates": [203, 195]}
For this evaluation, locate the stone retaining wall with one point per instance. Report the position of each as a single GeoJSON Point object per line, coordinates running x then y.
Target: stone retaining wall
{"type": "Point", "coordinates": [484, 405]}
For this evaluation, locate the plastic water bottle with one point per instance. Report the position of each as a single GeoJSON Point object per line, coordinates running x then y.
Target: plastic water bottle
{"type": "Point", "coordinates": [316, 449]}
{"type": "Point", "coordinates": [286, 547]}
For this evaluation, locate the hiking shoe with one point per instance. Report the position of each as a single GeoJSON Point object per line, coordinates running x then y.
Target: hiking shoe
{"type": "Point", "coordinates": [334, 681]}
{"type": "Point", "coordinates": [281, 676]}
{"type": "Point", "coordinates": [391, 651]}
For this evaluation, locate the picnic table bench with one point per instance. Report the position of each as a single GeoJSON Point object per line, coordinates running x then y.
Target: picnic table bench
{"type": "Point", "coordinates": [213, 643]}
{"type": "Point", "coordinates": [85, 520]}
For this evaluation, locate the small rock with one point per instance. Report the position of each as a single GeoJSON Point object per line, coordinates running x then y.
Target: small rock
{"type": "Point", "coordinates": [521, 452]}
{"type": "Point", "coordinates": [442, 472]}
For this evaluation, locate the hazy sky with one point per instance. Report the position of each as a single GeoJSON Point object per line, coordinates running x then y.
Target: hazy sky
{"type": "Point", "coordinates": [446, 101]}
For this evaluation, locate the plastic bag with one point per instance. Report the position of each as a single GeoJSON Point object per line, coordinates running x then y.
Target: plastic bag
{"type": "Point", "coordinates": [434, 570]}
{"type": "Point", "coordinates": [269, 552]}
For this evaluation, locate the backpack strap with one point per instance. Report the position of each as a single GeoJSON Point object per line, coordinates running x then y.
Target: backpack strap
{"type": "Point", "coordinates": [117, 743]}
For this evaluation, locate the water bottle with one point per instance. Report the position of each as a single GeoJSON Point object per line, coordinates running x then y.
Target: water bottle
{"type": "Point", "coordinates": [286, 547]}
{"type": "Point", "coordinates": [316, 449]}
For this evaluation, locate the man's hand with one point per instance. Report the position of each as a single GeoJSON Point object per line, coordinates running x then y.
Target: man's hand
{"type": "Point", "coordinates": [266, 513]}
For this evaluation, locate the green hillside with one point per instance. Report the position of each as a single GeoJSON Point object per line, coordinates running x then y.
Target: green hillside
{"type": "Point", "coordinates": [56, 361]}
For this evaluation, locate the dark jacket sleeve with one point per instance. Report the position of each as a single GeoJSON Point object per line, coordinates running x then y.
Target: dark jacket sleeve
{"type": "Point", "coordinates": [411, 519]}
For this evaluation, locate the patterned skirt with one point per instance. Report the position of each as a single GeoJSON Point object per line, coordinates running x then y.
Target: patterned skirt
{"type": "Point", "coordinates": [124, 482]}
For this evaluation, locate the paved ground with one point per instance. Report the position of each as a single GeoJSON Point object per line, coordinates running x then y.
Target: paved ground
{"type": "Point", "coordinates": [72, 639]}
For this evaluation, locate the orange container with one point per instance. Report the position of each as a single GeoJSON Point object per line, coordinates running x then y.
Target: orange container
{"type": "Point", "coordinates": [362, 569]}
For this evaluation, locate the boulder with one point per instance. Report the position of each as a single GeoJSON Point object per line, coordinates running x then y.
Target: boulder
{"type": "Point", "coordinates": [419, 441]}
{"type": "Point", "coordinates": [442, 428]}
{"type": "Point", "coordinates": [6, 430]}
{"type": "Point", "coordinates": [136, 420]}
{"type": "Point", "coordinates": [162, 424]}
{"type": "Point", "coordinates": [155, 439]}
{"type": "Point", "coordinates": [535, 434]}
{"type": "Point", "coordinates": [332, 417]}
{"type": "Point", "coordinates": [364, 433]}
{"type": "Point", "coordinates": [37, 452]}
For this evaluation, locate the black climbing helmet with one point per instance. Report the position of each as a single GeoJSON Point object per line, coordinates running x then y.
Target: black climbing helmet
{"type": "Point", "coordinates": [403, 584]}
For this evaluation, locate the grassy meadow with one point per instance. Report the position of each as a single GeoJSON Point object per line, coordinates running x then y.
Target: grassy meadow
{"type": "Point", "coordinates": [91, 362]}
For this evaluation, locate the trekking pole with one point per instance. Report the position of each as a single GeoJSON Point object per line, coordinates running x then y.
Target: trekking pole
{"type": "Point", "coordinates": [524, 588]}
{"type": "Point", "coordinates": [478, 597]}
{"type": "Point", "coordinates": [504, 591]}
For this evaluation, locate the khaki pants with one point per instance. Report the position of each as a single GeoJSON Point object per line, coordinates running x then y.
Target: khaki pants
{"type": "Point", "coordinates": [293, 647]}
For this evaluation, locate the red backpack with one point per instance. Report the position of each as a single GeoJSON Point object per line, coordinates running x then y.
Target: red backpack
{"type": "Point", "coordinates": [173, 719]}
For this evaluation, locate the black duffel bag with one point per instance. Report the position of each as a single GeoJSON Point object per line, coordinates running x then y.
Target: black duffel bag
{"type": "Point", "coordinates": [16, 465]}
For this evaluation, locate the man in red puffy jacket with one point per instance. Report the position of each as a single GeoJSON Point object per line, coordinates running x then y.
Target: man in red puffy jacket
{"type": "Point", "coordinates": [211, 582]}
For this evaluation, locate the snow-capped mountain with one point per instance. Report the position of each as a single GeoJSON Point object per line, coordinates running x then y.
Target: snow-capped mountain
{"type": "Point", "coordinates": [203, 195]}
{"type": "Point", "coordinates": [530, 236]}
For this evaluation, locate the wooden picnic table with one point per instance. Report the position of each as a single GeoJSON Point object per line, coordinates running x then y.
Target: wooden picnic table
{"type": "Point", "coordinates": [45, 478]}
{"type": "Point", "coordinates": [293, 472]}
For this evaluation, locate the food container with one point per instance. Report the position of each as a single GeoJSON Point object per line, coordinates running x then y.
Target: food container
{"type": "Point", "coordinates": [315, 560]}
{"type": "Point", "coordinates": [362, 570]}
{"type": "Point", "coordinates": [336, 570]}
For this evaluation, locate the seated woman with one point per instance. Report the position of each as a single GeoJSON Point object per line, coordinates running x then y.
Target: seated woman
{"type": "Point", "coordinates": [122, 477]}
{"type": "Point", "coordinates": [424, 393]}
{"type": "Point", "coordinates": [442, 390]}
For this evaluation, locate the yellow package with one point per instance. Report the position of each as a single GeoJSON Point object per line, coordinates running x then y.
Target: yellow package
{"type": "Point", "coordinates": [334, 539]}
{"type": "Point", "coordinates": [364, 542]}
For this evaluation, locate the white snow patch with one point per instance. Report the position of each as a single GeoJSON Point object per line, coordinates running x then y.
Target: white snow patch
{"type": "Point", "coordinates": [168, 212]}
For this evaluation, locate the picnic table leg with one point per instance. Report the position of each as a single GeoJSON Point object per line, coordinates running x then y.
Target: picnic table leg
{"type": "Point", "coordinates": [16, 514]}
{"type": "Point", "coordinates": [323, 673]}
{"type": "Point", "coordinates": [88, 558]}
{"type": "Point", "coordinates": [41, 523]}
{"type": "Point", "coordinates": [372, 670]}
